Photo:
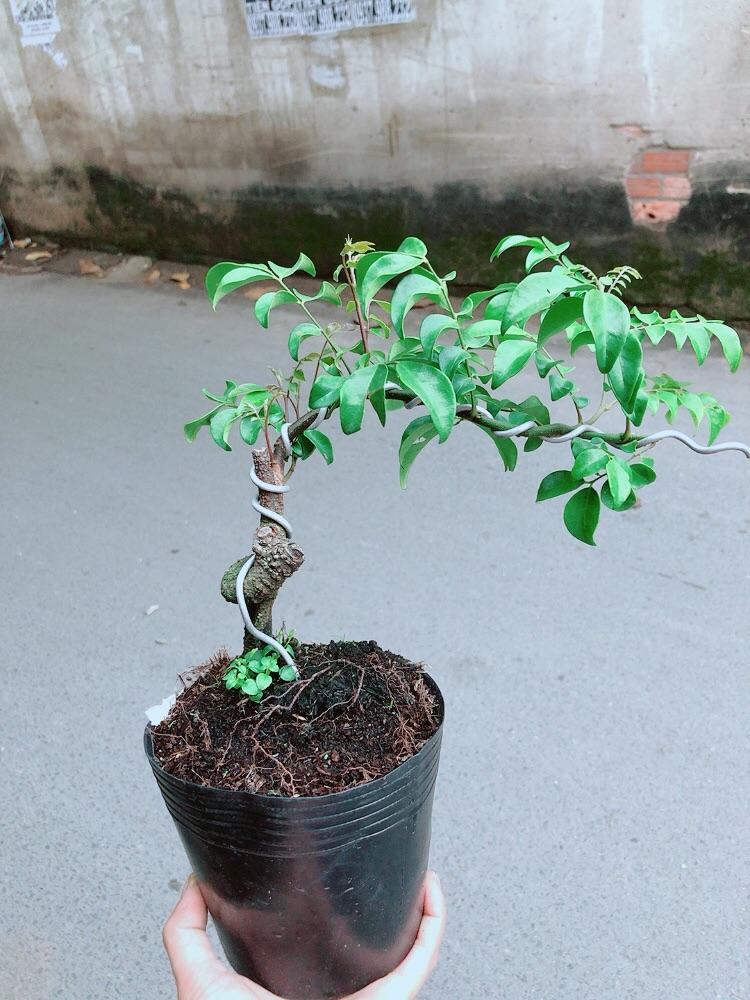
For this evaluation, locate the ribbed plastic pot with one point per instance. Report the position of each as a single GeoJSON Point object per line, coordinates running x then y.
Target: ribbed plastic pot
{"type": "Point", "coordinates": [313, 897]}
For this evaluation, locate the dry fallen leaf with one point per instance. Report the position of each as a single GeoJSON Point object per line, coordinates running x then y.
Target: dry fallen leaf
{"type": "Point", "coordinates": [184, 285]}
{"type": "Point", "coordinates": [38, 255]}
{"type": "Point", "coordinates": [88, 266]}
{"type": "Point", "coordinates": [22, 244]}
{"type": "Point", "coordinates": [153, 276]}
{"type": "Point", "coordinates": [182, 278]}
{"type": "Point", "coordinates": [254, 292]}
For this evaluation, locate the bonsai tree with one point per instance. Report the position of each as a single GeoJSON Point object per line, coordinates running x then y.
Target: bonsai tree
{"type": "Point", "coordinates": [298, 814]}
{"type": "Point", "coordinates": [454, 367]}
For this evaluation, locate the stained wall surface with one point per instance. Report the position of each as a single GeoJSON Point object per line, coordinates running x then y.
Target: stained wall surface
{"type": "Point", "coordinates": [168, 127]}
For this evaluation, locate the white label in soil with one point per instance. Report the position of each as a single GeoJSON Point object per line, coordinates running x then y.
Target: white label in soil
{"type": "Point", "coordinates": [271, 18]}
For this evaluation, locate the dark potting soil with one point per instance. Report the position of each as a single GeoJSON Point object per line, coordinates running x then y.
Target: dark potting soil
{"type": "Point", "coordinates": [356, 713]}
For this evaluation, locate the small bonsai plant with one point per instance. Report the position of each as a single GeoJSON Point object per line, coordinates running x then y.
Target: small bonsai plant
{"type": "Point", "coordinates": [458, 367]}
{"type": "Point", "coordinates": [454, 367]}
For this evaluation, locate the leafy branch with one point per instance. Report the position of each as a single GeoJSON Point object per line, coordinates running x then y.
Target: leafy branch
{"type": "Point", "coordinates": [458, 357]}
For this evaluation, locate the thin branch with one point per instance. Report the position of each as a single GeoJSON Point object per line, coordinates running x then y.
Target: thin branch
{"type": "Point", "coordinates": [547, 432]}
{"type": "Point", "coordinates": [360, 319]}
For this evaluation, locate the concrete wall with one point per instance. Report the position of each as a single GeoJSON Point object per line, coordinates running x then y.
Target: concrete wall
{"type": "Point", "coordinates": [164, 127]}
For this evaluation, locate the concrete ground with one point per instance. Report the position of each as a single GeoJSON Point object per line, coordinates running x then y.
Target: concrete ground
{"type": "Point", "coordinates": [591, 823]}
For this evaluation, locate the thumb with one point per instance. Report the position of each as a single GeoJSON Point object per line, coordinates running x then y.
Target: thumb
{"type": "Point", "coordinates": [191, 956]}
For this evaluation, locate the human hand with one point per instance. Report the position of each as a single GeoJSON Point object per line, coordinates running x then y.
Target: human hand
{"type": "Point", "coordinates": [200, 975]}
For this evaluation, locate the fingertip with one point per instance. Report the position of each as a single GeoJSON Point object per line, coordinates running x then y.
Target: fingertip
{"type": "Point", "coordinates": [434, 900]}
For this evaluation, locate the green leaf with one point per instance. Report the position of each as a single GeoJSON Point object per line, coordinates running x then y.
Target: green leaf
{"type": "Point", "coordinates": [700, 341]}
{"type": "Point", "coordinates": [191, 429]}
{"type": "Point", "coordinates": [434, 389]}
{"type": "Point", "coordinates": [730, 343]}
{"type": "Point", "coordinates": [416, 436]}
{"type": "Point", "coordinates": [534, 293]}
{"type": "Point", "coordinates": [639, 408]}
{"type": "Point", "coordinates": [679, 331]}
{"type": "Point", "coordinates": [589, 462]}
{"type": "Point", "coordinates": [608, 319]}
{"type": "Point", "coordinates": [221, 424]}
{"type": "Point", "coordinates": [408, 291]}
{"type": "Point", "coordinates": [287, 674]}
{"type": "Point", "coordinates": [431, 328]}
{"type": "Point", "coordinates": [718, 418]}
{"type": "Point", "coordinates": [508, 242]}
{"type": "Point", "coordinates": [559, 386]}
{"type": "Point", "coordinates": [578, 445]}
{"type": "Point", "coordinates": [450, 358]}
{"type": "Point", "coordinates": [608, 500]}
{"type": "Point", "coordinates": [403, 348]}
{"type": "Point", "coordinates": [325, 390]}
{"type": "Point", "coordinates": [619, 480]}
{"type": "Point", "coordinates": [300, 333]}
{"type": "Point", "coordinates": [544, 365]}
{"type": "Point", "coordinates": [353, 395]}
{"type": "Point", "coordinates": [250, 687]}
{"type": "Point", "coordinates": [377, 393]}
{"type": "Point", "coordinates": [583, 339]}
{"type": "Point", "coordinates": [230, 388]}
{"type": "Point", "coordinates": [373, 274]}
{"type": "Point", "coordinates": [269, 301]}
{"type": "Point", "coordinates": [550, 251]}
{"type": "Point", "coordinates": [694, 405]}
{"type": "Point", "coordinates": [251, 392]}
{"type": "Point", "coordinates": [263, 681]}
{"type": "Point", "coordinates": [534, 408]}
{"type": "Point", "coordinates": [556, 484]}
{"type": "Point", "coordinates": [321, 443]}
{"type": "Point", "coordinates": [510, 357]}
{"type": "Point", "coordinates": [303, 263]}
{"type": "Point", "coordinates": [626, 375]}
{"type": "Point", "coordinates": [498, 306]}
{"type": "Point", "coordinates": [581, 515]}
{"type": "Point", "coordinates": [326, 293]}
{"type": "Point", "coordinates": [656, 332]}
{"type": "Point", "coordinates": [250, 428]}
{"type": "Point", "coordinates": [641, 475]}
{"type": "Point", "coordinates": [506, 447]}
{"type": "Point", "coordinates": [480, 333]}
{"type": "Point", "coordinates": [473, 299]}
{"type": "Point", "coordinates": [559, 316]}
{"type": "Point", "coordinates": [413, 245]}
{"type": "Point", "coordinates": [221, 279]}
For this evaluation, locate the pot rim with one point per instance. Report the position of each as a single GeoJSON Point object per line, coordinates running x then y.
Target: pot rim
{"type": "Point", "coordinates": [342, 794]}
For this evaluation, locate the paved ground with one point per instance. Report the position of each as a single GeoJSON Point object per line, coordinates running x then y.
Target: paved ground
{"type": "Point", "coordinates": [591, 826]}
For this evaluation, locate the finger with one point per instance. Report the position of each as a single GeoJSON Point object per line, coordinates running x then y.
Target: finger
{"type": "Point", "coordinates": [411, 975]}
{"type": "Point", "coordinates": [191, 956]}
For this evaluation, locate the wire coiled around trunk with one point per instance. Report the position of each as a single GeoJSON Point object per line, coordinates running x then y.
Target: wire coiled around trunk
{"type": "Point", "coordinates": [269, 515]}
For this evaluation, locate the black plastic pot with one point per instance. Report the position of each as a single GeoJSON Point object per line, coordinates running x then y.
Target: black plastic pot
{"type": "Point", "coordinates": [313, 897]}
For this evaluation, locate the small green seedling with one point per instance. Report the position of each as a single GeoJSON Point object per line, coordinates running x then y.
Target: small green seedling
{"type": "Point", "coordinates": [257, 671]}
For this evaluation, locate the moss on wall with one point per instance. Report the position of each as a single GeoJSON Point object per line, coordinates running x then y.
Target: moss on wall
{"type": "Point", "coordinates": [700, 262]}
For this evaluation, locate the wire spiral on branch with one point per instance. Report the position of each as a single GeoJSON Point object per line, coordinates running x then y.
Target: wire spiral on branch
{"type": "Point", "coordinates": [701, 449]}
{"type": "Point", "coordinates": [269, 515]}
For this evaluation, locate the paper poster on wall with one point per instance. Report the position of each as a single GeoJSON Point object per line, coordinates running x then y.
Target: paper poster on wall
{"type": "Point", "coordinates": [39, 25]}
{"type": "Point", "coordinates": [271, 18]}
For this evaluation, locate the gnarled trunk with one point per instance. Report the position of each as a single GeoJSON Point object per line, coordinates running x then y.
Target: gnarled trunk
{"type": "Point", "coordinates": [276, 557]}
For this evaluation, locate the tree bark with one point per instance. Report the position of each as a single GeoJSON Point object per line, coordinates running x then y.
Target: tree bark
{"type": "Point", "coordinates": [276, 557]}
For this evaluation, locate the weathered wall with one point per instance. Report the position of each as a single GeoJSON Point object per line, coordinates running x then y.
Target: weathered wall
{"type": "Point", "coordinates": [164, 127]}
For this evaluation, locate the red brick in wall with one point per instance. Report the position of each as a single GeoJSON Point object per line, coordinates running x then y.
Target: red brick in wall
{"type": "Point", "coordinates": [658, 185]}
